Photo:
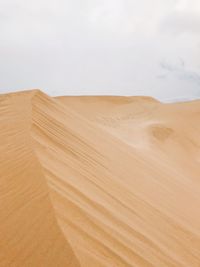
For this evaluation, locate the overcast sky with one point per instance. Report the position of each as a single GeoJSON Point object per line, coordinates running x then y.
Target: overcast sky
{"type": "Point", "coordinates": [126, 47]}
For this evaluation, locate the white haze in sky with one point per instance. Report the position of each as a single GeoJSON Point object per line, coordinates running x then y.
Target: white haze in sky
{"type": "Point", "coordinates": [120, 47]}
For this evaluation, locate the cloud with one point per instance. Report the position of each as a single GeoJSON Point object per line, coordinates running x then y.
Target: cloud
{"type": "Point", "coordinates": [180, 71]}
{"type": "Point", "coordinates": [98, 46]}
{"type": "Point", "coordinates": [181, 23]}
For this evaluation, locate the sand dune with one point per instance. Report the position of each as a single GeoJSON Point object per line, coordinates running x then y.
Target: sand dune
{"type": "Point", "coordinates": [29, 233]}
{"type": "Point", "coordinates": [99, 181]}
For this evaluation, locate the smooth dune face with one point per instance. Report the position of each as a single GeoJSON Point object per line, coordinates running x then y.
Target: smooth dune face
{"type": "Point", "coordinates": [99, 181]}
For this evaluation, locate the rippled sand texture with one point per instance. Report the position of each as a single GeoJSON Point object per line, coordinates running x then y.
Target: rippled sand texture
{"type": "Point", "coordinates": [99, 181]}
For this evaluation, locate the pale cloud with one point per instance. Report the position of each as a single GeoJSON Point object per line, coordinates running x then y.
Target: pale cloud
{"type": "Point", "coordinates": [182, 23]}
{"type": "Point", "coordinates": [180, 71]}
{"type": "Point", "coordinates": [99, 46]}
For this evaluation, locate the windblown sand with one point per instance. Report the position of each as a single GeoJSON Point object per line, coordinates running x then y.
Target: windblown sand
{"type": "Point", "coordinates": [98, 181]}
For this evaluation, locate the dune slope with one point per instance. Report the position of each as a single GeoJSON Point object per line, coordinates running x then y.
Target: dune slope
{"type": "Point", "coordinates": [29, 233]}
{"type": "Point", "coordinates": [99, 181]}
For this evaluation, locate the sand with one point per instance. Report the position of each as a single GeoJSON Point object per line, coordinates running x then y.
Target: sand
{"type": "Point", "coordinates": [98, 181]}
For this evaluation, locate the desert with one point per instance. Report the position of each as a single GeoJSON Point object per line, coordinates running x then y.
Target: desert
{"type": "Point", "coordinates": [98, 181]}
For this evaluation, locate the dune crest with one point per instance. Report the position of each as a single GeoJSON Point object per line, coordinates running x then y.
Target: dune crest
{"type": "Point", "coordinates": [99, 181]}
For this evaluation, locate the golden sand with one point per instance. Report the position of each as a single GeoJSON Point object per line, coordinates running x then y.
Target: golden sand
{"type": "Point", "coordinates": [98, 181]}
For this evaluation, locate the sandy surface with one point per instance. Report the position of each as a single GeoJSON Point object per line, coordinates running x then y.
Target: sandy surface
{"type": "Point", "coordinates": [99, 181]}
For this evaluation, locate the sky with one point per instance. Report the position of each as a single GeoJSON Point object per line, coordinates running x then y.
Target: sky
{"type": "Point", "coordinates": [101, 47]}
